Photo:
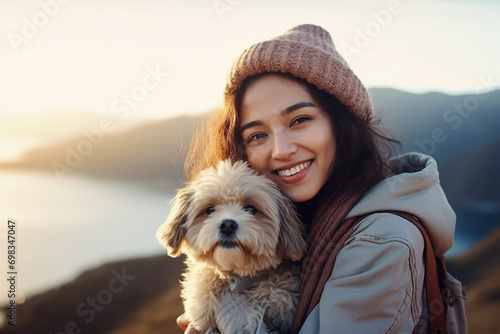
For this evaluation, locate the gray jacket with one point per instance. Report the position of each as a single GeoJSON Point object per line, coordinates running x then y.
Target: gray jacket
{"type": "Point", "coordinates": [376, 285]}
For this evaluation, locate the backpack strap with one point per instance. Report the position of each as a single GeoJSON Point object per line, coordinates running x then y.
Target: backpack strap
{"type": "Point", "coordinates": [435, 272]}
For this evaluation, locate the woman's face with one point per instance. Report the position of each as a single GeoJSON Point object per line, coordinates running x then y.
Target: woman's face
{"type": "Point", "coordinates": [287, 136]}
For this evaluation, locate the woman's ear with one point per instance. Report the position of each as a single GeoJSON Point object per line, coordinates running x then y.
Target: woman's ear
{"type": "Point", "coordinates": [291, 241]}
{"type": "Point", "coordinates": [172, 232]}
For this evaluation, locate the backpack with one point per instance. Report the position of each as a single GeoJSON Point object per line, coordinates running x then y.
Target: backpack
{"type": "Point", "coordinates": [445, 309]}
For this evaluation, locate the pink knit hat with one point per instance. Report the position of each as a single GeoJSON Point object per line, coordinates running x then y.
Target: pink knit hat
{"type": "Point", "coordinates": [306, 51]}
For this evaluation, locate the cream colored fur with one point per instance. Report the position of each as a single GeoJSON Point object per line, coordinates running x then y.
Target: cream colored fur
{"type": "Point", "coordinates": [267, 232]}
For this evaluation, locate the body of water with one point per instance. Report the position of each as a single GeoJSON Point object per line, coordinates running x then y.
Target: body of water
{"type": "Point", "coordinates": [475, 221]}
{"type": "Point", "coordinates": [64, 228]}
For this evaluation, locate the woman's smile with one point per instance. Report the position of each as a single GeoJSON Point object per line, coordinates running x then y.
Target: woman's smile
{"type": "Point", "coordinates": [294, 174]}
{"type": "Point", "coordinates": [294, 170]}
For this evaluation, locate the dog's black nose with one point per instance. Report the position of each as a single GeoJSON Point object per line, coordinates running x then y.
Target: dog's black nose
{"type": "Point", "coordinates": [228, 227]}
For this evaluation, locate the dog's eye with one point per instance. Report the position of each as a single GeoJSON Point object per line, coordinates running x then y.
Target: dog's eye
{"type": "Point", "coordinates": [210, 210]}
{"type": "Point", "coordinates": [250, 209]}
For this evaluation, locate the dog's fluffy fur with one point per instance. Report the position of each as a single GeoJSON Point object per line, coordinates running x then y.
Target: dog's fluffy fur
{"type": "Point", "coordinates": [233, 222]}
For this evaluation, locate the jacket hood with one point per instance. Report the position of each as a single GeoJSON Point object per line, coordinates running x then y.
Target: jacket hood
{"type": "Point", "coordinates": [415, 188]}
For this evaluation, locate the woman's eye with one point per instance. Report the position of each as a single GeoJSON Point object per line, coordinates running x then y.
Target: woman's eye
{"type": "Point", "coordinates": [300, 119]}
{"type": "Point", "coordinates": [250, 209]}
{"type": "Point", "coordinates": [210, 210]}
{"type": "Point", "coordinates": [255, 137]}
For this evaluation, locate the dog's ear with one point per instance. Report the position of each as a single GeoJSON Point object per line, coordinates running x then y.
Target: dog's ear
{"type": "Point", "coordinates": [172, 232]}
{"type": "Point", "coordinates": [291, 241]}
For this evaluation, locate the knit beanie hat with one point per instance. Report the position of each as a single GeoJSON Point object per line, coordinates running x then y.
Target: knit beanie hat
{"type": "Point", "coordinates": [306, 51]}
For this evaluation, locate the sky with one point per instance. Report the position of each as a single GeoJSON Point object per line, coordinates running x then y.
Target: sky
{"type": "Point", "coordinates": [161, 58]}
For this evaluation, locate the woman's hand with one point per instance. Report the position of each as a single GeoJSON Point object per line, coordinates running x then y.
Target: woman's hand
{"type": "Point", "coordinates": [183, 323]}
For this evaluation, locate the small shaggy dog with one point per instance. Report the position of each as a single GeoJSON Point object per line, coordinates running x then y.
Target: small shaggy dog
{"type": "Point", "coordinates": [235, 226]}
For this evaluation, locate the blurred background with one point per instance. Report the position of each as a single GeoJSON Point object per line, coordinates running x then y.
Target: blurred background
{"type": "Point", "coordinates": [98, 101]}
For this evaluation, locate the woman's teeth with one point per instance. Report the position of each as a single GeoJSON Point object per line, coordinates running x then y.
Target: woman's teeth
{"type": "Point", "coordinates": [294, 170]}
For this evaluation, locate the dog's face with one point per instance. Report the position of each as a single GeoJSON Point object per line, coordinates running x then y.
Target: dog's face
{"type": "Point", "coordinates": [233, 220]}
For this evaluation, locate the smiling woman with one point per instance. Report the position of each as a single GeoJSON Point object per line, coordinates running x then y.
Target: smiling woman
{"type": "Point", "coordinates": [297, 113]}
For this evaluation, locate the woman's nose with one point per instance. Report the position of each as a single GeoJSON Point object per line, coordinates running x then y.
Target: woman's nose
{"type": "Point", "coordinates": [283, 146]}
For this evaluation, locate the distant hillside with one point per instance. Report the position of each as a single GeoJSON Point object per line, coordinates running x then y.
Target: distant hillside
{"type": "Point", "coordinates": [461, 132]}
{"type": "Point", "coordinates": [439, 124]}
{"type": "Point", "coordinates": [134, 296]}
{"type": "Point", "coordinates": [142, 296]}
{"type": "Point", "coordinates": [149, 152]}
{"type": "Point", "coordinates": [479, 271]}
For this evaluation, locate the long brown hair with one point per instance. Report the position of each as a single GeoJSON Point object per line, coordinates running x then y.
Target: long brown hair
{"type": "Point", "coordinates": [362, 149]}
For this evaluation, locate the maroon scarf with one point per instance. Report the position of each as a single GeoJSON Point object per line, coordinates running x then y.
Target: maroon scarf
{"type": "Point", "coordinates": [327, 237]}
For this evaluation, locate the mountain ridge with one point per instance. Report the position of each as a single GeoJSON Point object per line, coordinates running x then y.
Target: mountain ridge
{"type": "Point", "coordinates": [155, 151]}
